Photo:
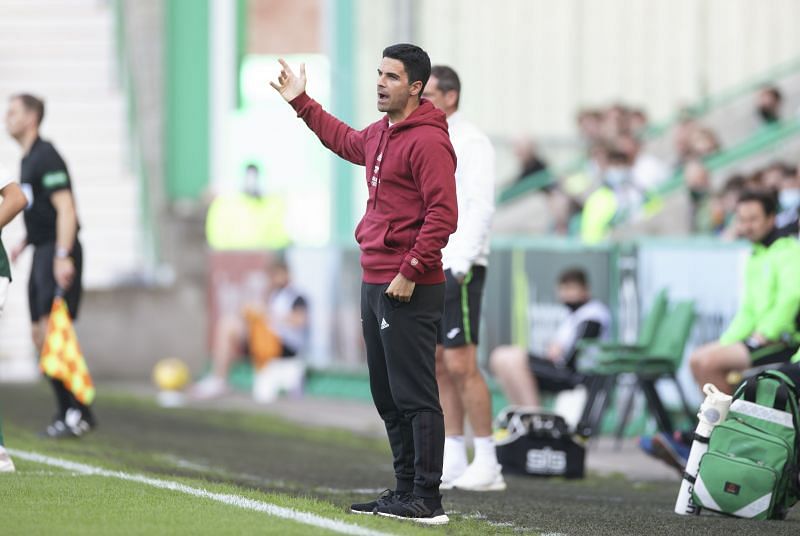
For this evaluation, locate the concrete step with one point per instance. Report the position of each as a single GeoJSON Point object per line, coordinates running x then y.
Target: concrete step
{"type": "Point", "coordinates": [111, 213]}
{"type": "Point", "coordinates": [45, 51]}
{"type": "Point", "coordinates": [65, 51]}
{"type": "Point", "coordinates": [56, 74]}
{"type": "Point", "coordinates": [85, 167]}
{"type": "Point", "coordinates": [77, 6]}
{"type": "Point", "coordinates": [117, 220]}
{"type": "Point", "coordinates": [89, 123]}
{"type": "Point", "coordinates": [76, 149]}
{"type": "Point", "coordinates": [57, 63]}
{"type": "Point", "coordinates": [87, 132]}
{"type": "Point", "coordinates": [17, 37]}
{"type": "Point", "coordinates": [79, 24]}
{"type": "Point", "coordinates": [64, 90]}
{"type": "Point", "coordinates": [102, 176]}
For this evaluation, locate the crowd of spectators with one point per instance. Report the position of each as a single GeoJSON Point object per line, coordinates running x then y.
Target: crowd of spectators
{"type": "Point", "coordinates": [619, 174]}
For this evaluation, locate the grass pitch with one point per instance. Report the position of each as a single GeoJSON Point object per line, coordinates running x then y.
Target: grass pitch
{"type": "Point", "coordinates": [268, 460]}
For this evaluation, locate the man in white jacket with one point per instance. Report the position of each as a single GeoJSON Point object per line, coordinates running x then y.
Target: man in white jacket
{"type": "Point", "coordinates": [462, 388]}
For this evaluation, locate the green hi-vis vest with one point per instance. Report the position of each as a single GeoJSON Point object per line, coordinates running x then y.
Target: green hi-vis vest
{"type": "Point", "coordinates": [243, 222]}
{"type": "Point", "coordinates": [598, 213]}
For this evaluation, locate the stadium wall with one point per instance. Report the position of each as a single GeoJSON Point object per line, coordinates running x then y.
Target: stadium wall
{"type": "Point", "coordinates": [528, 65]}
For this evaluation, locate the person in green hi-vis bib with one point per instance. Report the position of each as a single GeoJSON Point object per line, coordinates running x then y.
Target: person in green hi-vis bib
{"type": "Point", "coordinates": [248, 219]}
{"type": "Point", "coordinates": [12, 201]}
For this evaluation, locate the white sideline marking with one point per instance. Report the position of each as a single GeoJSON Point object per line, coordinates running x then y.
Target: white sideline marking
{"type": "Point", "coordinates": [225, 498]}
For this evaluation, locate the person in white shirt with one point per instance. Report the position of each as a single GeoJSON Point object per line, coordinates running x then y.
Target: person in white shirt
{"type": "Point", "coordinates": [285, 318]}
{"type": "Point", "coordinates": [523, 376]}
{"type": "Point", "coordinates": [462, 388]}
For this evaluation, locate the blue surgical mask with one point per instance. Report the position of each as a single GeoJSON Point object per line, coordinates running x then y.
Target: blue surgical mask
{"type": "Point", "coordinates": [789, 199]}
{"type": "Point", "coordinates": [617, 176]}
{"type": "Point", "coordinates": [592, 168]}
{"type": "Point", "coordinates": [251, 184]}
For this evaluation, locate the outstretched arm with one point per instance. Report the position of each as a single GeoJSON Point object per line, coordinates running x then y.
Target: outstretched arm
{"type": "Point", "coordinates": [334, 134]}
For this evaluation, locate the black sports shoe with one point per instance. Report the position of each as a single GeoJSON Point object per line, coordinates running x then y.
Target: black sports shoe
{"type": "Point", "coordinates": [417, 509]}
{"type": "Point", "coordinates": [384, 499]}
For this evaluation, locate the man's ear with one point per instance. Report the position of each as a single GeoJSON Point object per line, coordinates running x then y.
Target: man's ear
{"type": "Point", "coordinates": [451, 98]}
{"type": "Point", "coordinates": [416, 88]}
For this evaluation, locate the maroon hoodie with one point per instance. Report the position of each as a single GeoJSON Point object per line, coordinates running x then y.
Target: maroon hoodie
{"type": "Point", "coordinates": [410, 172]}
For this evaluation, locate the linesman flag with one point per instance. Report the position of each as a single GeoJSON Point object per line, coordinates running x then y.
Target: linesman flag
{"type": "Point", "coordinates": [61, 357]}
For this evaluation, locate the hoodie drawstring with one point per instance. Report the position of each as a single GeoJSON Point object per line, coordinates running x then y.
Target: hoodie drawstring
{"type": "Point", "coordinates": [377, 167]}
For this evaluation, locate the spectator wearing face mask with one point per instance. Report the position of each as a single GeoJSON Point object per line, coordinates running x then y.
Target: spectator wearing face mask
{"type": "Point", "coordinates": [698, 182]}
{"type": "Point", "coordinates": [768, 105]}
{"type": "Point", "coordinates": [647, 171]}
{"type": "Point", "coordinates": [789, 203]}
{"type": "Point", "coordinates": [771, 177]}
{"type": "Point", "coordinates": [523, 376]}
{"type": "Point", "coordinates": [617, 196]}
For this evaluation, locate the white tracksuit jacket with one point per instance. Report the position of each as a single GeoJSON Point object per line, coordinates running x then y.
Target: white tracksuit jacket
{"type": "Point", "coordinates": [475, 177]}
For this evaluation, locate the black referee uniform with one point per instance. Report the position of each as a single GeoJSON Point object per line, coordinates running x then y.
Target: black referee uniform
{"type": "Point", "coordinates": [44, 173]}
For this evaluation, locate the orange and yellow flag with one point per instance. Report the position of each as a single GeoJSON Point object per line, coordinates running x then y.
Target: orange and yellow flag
{"type": "Point", "coordinates": [61, 357]}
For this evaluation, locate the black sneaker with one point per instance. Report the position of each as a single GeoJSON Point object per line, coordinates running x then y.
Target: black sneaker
{"type": "Point", "coordinates": [384, 499]}
{"type": "Point", "coordinates": [417, 509]}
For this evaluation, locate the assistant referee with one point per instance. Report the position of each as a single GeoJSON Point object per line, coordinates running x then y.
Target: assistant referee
{"type": "Point", "coordinates": [52, 227]}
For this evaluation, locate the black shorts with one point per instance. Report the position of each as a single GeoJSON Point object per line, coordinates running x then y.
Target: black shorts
{"type": "Point", "coordinates": [462, 309]}
{"type": "Point", "coordinates": [552, 378]}
{"type": "Point", "coordinates": [42, 283]}
{"type": "Point", "coordinates": [768, 354]}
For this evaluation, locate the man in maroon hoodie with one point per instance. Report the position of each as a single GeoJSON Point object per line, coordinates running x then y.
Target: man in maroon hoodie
{"type": "Point", "coordinates": [411, 213]}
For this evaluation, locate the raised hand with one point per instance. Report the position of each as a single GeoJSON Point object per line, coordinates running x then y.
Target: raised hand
{"type": "Point", "coordinates": [289, 84]}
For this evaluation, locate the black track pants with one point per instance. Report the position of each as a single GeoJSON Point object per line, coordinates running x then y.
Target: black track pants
{"type": "Point", "coordinates": [401, 344]}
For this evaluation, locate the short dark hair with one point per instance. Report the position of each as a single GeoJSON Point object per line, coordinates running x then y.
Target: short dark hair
{"type": "Point", "coordinates": [734, 183]}
{"type": "Point", "coordinates": [615, 156]}
{"type": "Point", "coordinates": [415, 61]}
{"type": "Point", "coordinates": [253, 166]}
{"type": "Point", "coordinates": [774, 92]}
{"type": "Point", "coordinates": [447, 80]}
{"type": "Point", "coordinates": [574, 275]}
{"type": "Point", "coordinates": [766, 199]}
{"type": "Point", "coordinates": [32, 104]}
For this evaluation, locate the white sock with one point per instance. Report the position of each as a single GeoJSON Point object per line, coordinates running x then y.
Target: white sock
{"type": "Point", "coordinates": [485, 453]}
{"type": "Point", "coordinates": [455, 451]}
